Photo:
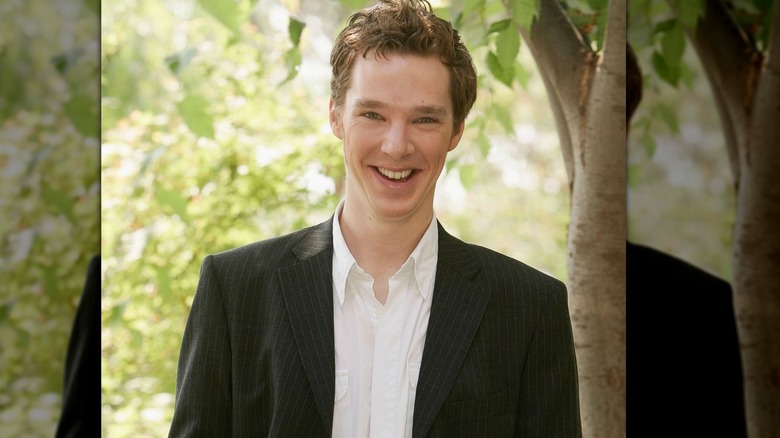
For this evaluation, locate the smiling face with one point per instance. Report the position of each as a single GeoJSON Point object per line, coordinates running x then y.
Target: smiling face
{"type": "Point", "coordinates": [397, 127]}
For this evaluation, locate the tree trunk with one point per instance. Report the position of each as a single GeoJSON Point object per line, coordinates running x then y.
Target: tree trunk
{"type": "Point", "coordinates": [587, 95]}
{"type": "Point", "coordinates": [757, 250]}
{"type": "Point", "coordinates": [746, 85]}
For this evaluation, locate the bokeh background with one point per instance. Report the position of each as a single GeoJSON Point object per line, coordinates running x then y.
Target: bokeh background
{"type": "Point", "coordinates": [49, 198]}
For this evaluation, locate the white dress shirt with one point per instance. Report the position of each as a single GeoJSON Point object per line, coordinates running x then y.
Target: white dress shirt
{"type": "Point", "coordinates": [379, 347]}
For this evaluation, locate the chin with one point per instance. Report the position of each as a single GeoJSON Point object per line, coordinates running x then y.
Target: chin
{"type": "Point", "coordinates": [396, 210]}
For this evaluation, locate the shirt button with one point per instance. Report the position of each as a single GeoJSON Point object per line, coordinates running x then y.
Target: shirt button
{"type": "Point", "coordinates": [375, 315]}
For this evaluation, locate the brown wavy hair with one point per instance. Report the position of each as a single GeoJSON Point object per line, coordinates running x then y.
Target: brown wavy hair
{"type": "Point", "coordinates": [633, 83]}
{"type": "Point", "coordinates": [404, 27]}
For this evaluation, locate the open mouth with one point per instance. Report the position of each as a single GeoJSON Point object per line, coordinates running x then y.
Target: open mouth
{"type": "Point", "coordinates": [402, 175]}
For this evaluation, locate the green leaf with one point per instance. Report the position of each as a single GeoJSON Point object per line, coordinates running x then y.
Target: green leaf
{"type": "Point", "coordinates": [93, 5]}
{"type": "Point", "coordinates": [193, 110]}
{"type": "Point", "coordinates": [50, 281]}
{"type": "Point", "coordinates": [504, 118]}
{"type": "Point", "coordinates": [472, 6]}
{"type": "Point", "coordinates": [671, 75]}
{"type": "Point", "coordinates": [499, 26]}
{"type": "Point", "coordinates": [451, 163]}
{"type": "Point", "coordinates": [669, 117]}
{"type": "Point", "coordinates": [227, 12]}
{"type": "Point", "coordinates": [664, 26]}
{"type": "Point", "coordinates": [598, 4]}
{"type": "Point", "coordinates": [292, 60]}
{"type": "Point", "coordinates": [498, 71]}
{"type": "Point", "coordinates": [457, 22]}
{"type": "Point", "coordinates": [60, 200]}
{"type": "Point", "coordinates": [468, 175]}
{"type": "Point", "coordinates": [648, 141]}
{"type": "Point", "coordinates": [138, 337]}
{"type": "Point", "coordinates": [639, 26]}
{"type": "Point", "coordinates": [524, 12]}
{"type": "Point", "coordinates": [117, 313]}
{"type": "Point", "coordinates": [294, 29]}
{"type": "Point", "coordinates": [766, 25]}
{"type": "Point", "coordinates": [66, 60]}
{"type": "Point", "coordinates": [689, 12]}
{"type": "Point", "coordinates": [83, 113]}
{"type": "Point", "coordinates": [5, 310]}
{"type": "Point", "coordinates": [687, 75]}
{"type": "Point", "coordinates": [507, 47]}
{"type": "Point", "coordinates": [174, 200]}
{"type": "Point", "coordinates": [601, 28]}
{"type": "Point", "coordinates": [163, 282]}
{"type": "Point", "coordinates": [177, 61]}
{"type": "Point", "coordinates": [673, 46]}
{"type": "Point", "coordinates": [353, 5]}
{"type": "Point", "coordinates": [484, 143]}
{"type": "Point", "coordinates": [522, 75]}
{"type": "Point", "coordinates": [634, 175]}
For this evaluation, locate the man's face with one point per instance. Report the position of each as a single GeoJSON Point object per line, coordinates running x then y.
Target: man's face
{"type": "Point", "coordinates": [397, 127]}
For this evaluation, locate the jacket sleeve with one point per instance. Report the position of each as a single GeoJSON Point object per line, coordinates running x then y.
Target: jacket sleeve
{"type": "Point", "coordinates": [549, 394]}
{"type": "Point", "coordinates": [203, 383]}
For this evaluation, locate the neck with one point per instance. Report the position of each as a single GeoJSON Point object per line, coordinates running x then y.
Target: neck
{"type": "Point", "coordinates": [381, 246]}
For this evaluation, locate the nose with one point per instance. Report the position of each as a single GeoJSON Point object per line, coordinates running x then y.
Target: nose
{"type": "Point", "coordinates": [397, 142]}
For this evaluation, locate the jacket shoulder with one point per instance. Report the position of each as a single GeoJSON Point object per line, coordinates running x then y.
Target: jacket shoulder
{"type": "Point", "coordinates": [503, 268]}
{"type": "Point", "coordinates": [492, 267]}
{"type": "Point", "coordinates": [268, 253]}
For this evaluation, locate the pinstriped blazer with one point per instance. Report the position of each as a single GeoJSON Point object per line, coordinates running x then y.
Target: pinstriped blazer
{"type": "Point", "coordinates": [257, 356]}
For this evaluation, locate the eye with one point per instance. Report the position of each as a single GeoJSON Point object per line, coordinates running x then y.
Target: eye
{"type": "Point", "coordinates": [372, 116]}
{"type": "Point", "coordinates": [426, 120]}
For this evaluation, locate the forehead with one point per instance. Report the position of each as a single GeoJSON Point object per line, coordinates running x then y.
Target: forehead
{"type": "Point", "coordinates": [400, 79]}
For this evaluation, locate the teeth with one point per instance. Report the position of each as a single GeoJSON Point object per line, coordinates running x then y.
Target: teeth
{"type": "Point", "coordinates": [394, 175]}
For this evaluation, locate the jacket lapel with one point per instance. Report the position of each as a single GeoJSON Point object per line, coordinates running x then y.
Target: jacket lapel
{"type": "Point", "coordinates": [308, 293]}
{"type": "Point", "coordinates": [456, 311]}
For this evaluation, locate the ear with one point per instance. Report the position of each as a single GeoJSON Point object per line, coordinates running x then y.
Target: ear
{"type": "Point", "coordinates": [335, 120]}
{"type": "Point", "coordinates": [456, 136]}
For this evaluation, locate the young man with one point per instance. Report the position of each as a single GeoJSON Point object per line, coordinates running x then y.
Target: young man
{"type": "Point", "coordinates": [377, 323]}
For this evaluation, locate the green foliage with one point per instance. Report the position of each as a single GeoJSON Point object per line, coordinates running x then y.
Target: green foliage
{"type": "Point", "coordinates": [293, 58]}
{"type": "Point", "coordinates": [755, 18]}
{"type": "Point", "coordinates": [590, 19]}
{"type": "Point", "coordinates": [524, 11]}
{"type": "Point", "coordinates": [502, 60]}
{"type": "Point", "coordinates": [689, 11]}
{"type": "Point", "coordinates": [230, 13]}
{"type": "Point", "coordinates": [656, 31]}
{"type": "Point", "coordinates": [49, 198]}
{"type": "Point", "coordinates": [680, 195]}
{"type": "Point", "coordinates": [194, 110]}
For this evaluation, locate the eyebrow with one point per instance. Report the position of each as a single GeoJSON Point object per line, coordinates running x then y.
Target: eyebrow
{"type": "Point", "coordinates": [428, 110]}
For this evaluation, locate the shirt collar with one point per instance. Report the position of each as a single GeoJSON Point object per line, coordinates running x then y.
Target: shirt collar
{"type": "Point", "coordinates": [423, 258]}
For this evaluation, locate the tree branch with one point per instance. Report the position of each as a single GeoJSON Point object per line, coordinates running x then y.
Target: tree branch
{"type": "Point", "coordinates": [563, 129]}
{"type": "Point", "coordinates": [564, 59]}
{"type": "Point", "coordinates": [732, 63]}
{"type": "Point", "coordinates": [615, 37]}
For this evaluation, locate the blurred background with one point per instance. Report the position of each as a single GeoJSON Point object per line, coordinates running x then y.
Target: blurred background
{"type": "Point", "coordinates": [681, 196]}
{"type": "Point", "coordinates": [49, 198]}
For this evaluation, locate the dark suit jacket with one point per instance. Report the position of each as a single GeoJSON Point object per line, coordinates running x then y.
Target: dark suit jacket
{"type": "Point", "coordinates": [683, 360]}
{"type": "Point", "coordinates": [257, 358]}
